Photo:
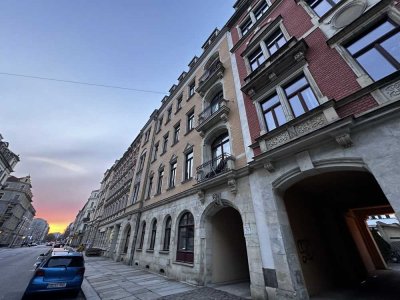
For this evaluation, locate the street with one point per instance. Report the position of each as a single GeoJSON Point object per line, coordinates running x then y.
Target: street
{"type": "Point", "coordinates": [16, 271]}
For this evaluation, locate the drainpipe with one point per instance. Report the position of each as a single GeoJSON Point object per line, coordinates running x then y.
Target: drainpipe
{"type": "Point", "coordinates": [142, 195]}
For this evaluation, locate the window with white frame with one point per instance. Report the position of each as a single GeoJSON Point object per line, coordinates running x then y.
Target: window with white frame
{"type": "Point", "coordinates": [378, 49]}
{"type": "Point", "coordinates": [190, 121]}
{"type": "Point", "coordinates": [295, 97]}
{"type": "Point", "coordinates": [246, 25]}
{"type": "Point", "coordinates": [261, 9]}
{"type": "Point", "coordinates": [172, 174]}
{"type": "Point", "coordinates": [192, 87]}
{"type": "Point", "coordinates": [189, 165]}
{"type": "Point", "coordinates": [160, 180]}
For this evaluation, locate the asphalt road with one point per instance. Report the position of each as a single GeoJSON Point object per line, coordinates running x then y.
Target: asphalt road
{"type": "Point", "coordinates": [17, 269]}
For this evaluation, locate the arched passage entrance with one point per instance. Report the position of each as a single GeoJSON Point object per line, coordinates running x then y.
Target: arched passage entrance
{"type": "Point", "coordinates": [226, 254]}
{"type": "Point", "coordinates": [327, 214]}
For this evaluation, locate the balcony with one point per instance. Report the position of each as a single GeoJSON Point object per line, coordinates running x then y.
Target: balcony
{"type": "Point", "coordinates": [210, 76]}
{"type": "Point", "coordinates": [212, 115]}
{"type": "Point", "coordinates": [215, 167]}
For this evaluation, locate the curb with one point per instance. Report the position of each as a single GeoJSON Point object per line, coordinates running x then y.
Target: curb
{"type": "Point", "coordinates": [88, 291]}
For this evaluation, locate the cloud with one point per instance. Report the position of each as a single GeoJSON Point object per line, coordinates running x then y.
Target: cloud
{"type": "Point", "coordinates": [59, 163]}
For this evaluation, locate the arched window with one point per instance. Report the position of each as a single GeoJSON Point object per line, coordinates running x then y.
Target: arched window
{"type": "Point", "coordinates": [167, 234]}
{"type": "Point", "coordinates": [142, 235]}
{"type": "Point", "coordinates": [185, 238]}
{"type": "Point", "coordinates": [153, 235]}
{"type": "Point", "coordinates": [215, 103]}
{"type": "Point", "coordinates": [128, 235]}
{"type": "Point", "coordinates": [220, 146]}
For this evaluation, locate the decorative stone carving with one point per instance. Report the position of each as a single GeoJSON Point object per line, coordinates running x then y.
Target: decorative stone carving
{"type": "Point", "coordinates": [292, 132]}
{"type": "Point", "coordinates": [269, 166]}
{"type": "Point", "coordinates": [299, 56]}
{"type": "Point", "coordinates": [252, 92]}
{"type": "Point", "coordinates": [278, 140]}
{"type": "Point", "coordinates": [201, 195]}
{"type": "Point", "coordinates": [344, 140]}
{"type": "Point", "coordinates": [232, 185]}
{"type": "Point", "coordinates": [224, 117]}
{"type": "Point", "coordinates": [348, 13]}
{"type": "Point", "coordinates": [217, 199]}
{"type": "Point", "coordinates": [311, 124]}
{"type": "Point", "coordinates": [272, 76]}
{"type": "Point", "coordinates": [392, 91]}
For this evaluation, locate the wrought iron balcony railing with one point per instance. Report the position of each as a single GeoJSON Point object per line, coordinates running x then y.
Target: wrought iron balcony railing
{"type": "Point", "coordinates": [212, 115]}
{"type": "Point", "coordinates": [219, 165]}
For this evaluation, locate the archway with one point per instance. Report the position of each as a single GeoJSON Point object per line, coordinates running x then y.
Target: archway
{"type": "Point", "coordinates": [226, 253]}
{"type": "Point", "coordinates": [327, 215]}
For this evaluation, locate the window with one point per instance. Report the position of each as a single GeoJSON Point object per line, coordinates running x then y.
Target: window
{"type": "Point", "coordinates": [190, 121]}
{"type": "Point", "coordinates": [321, 7]}
{"type": "Point", "coordinates": [219, 147]}
{"type": "Point", "coordinates": [275, 41]}
{"type": "Point", "coordinates": [141, 161]}
{"type": "Point", "coordinates": [135, 192]}
{"type": "Point", "coordinates": [128, 235]}
{"type": "Point", "coordinates": [167, 234]}
{"type": "Point", "coordinates": [273, 112]}
{"type": "Point", "coordinates": [150, 186]}
{"type": "Point", "coordinates": [378, 50]}
{"type": "Point", "coordinates": [177, 129]}
{"type": "Point", "coordinates": [159, 124]}
{"type": "Point", "coordinates": [189, 166]}
{"type": "Point", "coordinates": [156, 146]}
{"type": "Point", "coordinates": [191, 88]}
{"type": "Point", "coordinates": [261, 9]}
{"type": "Point", "coordinates": [179, 104]}
{"type": "Point", "coordinates": [216, 102]}
{"type": "Point", "coordinates": [172, 175]}
{"type": "Point", "coordinates": [147, 136]}
{"type": "Point", "coordinates": [169, 114]}
{"type": "Point", "coordinates": [256, 58]}
{"type": "Point", "coordinates": [300, 96]}
{"type": "Point", "coordinates": [142, 235]}
{"type": "Point", "coordinates": [245, 27]}
{"type": "Point", "coordinates": [185, 238]}
{"type": "Point", "coordinates": [153, 235]}
{"type": "Point", "coordinates": [165, 143]}
{"type": "Point", "coordinates": [160, 180]}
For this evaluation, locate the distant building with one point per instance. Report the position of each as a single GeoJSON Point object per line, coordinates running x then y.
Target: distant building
{"type": "Point", "coordinates": [16, 211]}
{"type": "Point", "coordinates": [8, 160]}
{"type": "Point", "coordinates": [38, 230]}
{"type": "Point", "coordinates": [82, 227]}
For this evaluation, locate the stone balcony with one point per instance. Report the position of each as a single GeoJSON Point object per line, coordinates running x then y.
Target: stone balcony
{"type": "Point", "coordinates": [212, 115]}
{"type": "Point", "coordinates": [215, 167]}
{"type": "Point", "coordinates": [210, 76]}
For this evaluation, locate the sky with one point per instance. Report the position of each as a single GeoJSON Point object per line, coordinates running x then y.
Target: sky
{"type": "Point", "coordinates": [67, 134]}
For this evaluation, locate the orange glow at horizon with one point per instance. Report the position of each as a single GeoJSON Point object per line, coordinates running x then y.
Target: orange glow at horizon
{"type": "Point", "coordinates": [58, 227]}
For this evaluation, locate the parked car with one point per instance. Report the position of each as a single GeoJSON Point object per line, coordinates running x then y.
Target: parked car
{"type": "Point", "coordinates": [93, 252]}
{"type": "Point", "coordinates": [32, 244]}
{"type": "Point", "coordinates": [49, 244]}
{"type": "Point", "coordinates": [62, 270]}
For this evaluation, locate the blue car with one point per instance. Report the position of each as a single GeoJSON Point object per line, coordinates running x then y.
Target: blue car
{"type": "Point", "coordinates": [60, 271]}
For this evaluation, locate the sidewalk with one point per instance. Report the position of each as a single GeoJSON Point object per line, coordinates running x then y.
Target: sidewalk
{"type": "Point", "coordinates": [107, 280]}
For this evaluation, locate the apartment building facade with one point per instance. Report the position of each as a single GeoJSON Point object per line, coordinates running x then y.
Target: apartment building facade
{"type": "Point", "coordinates": [16, 211]}
{"type": "Point", "coordinates": [319, 82]}
{"type": "Point", "coordinates": [8, 160]}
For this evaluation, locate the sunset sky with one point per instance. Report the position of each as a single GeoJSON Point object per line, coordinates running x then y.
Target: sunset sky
{"type": "Point", "coordinates": [68, 134]}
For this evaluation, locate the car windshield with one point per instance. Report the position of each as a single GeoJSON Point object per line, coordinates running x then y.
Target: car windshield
{"type": "Point", "coordinates": [73, 261]}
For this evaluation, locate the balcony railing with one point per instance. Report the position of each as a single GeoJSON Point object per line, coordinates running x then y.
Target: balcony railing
{"type": "Point", "coordinates": [212, 115]}
{"type": "Point", "coordinates": [211, 75]}
{"type": "Point", "coordinates": [215, 167]}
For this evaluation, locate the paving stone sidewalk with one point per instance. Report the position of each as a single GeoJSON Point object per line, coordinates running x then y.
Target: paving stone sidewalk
{"type": "Point", "coordinates": [112, 280]}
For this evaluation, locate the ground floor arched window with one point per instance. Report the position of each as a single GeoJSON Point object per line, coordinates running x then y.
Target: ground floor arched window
{"type": "Point", "coordinates": [185, 238]}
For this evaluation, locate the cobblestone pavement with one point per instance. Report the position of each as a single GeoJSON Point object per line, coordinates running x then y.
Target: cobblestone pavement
{"type": "Point", "coordinates": [111, 280]}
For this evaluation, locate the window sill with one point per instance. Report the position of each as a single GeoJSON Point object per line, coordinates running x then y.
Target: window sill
{"type": "Point", "coordinates": [178, 110]}
{"type": "Point", "coordinates": [170, 188]}
{"type": "Point", "coordinates": [183, 264]}
{"type": "Point", "coordinates": [162, 153]}
{"type": "Point", "coordinates": [150, 250]}
{"type": "Point", "coordinates": [187, 180]}
{"type": "Point", "coordinates": [158, 194]}
{"type": "Point", "coordinates": [174, 143]}
{"type": "Point", "coordinates": [164, 252]}
{"type": "Point", "coordinates": [190, 97]}
{"type": "Point", "coordinates": [139, 250]}
{"type": "Point", "coordinates": [189, 131]}
{"type": "Point", "coordinates": [166, 122]}
{"type": "Point", "coordinates": [147, 198]}
{"type": "Point", "coordinates": [153, 160]}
